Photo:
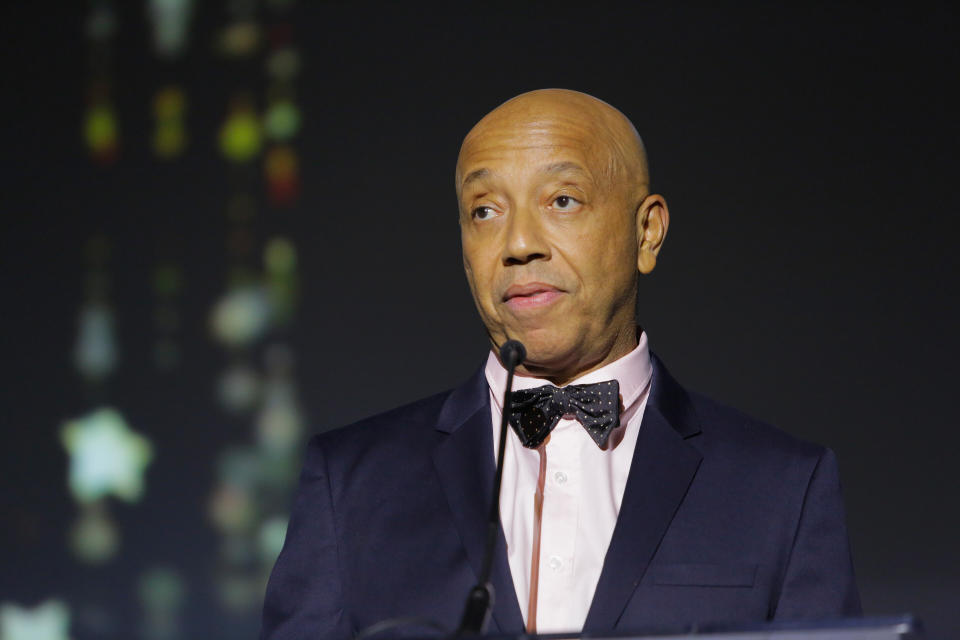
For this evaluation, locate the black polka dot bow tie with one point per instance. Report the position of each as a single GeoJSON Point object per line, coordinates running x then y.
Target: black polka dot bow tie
{"type": "Point", "coordinates": [535, 412]}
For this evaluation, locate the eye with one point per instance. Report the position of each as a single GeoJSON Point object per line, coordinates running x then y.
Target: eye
{"type": "Point", "coordinates": [565, 203]}
{"type": "Point", "coordinates": [483, 213]}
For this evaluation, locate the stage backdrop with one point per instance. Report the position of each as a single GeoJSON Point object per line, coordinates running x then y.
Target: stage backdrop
{"type": "Point", "coordinates": [218, 215]}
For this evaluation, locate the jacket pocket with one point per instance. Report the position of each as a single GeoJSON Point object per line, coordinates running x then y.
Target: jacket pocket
{"type": "Point", "coordinates": [704, 575]}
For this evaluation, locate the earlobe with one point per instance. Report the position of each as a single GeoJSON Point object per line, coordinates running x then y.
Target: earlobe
{"type": "Point", "coordinates": [646, 261]}
{"type": "Point", "coordinates": [652, 221]}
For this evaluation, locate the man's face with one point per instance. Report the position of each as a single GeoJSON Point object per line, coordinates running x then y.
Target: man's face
{"type": "Point", "coordinates": [550, 243]}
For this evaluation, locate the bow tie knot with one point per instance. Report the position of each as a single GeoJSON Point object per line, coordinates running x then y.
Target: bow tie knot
{"type": "Point", "coordinates": [535, 412]}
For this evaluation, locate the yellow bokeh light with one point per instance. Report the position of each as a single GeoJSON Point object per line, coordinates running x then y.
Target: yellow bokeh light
{"type": "Point", "coordinates": [241, 137]}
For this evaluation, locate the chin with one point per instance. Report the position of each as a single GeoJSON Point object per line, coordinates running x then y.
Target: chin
{"type": "Point", "coordinates": [546, 350]}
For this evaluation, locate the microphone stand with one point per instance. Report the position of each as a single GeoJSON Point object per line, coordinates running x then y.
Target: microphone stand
{"type": "Point", "coordinates": [476, 614]}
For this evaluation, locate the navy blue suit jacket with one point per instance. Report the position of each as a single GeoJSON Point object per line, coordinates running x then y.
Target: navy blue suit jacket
{"type": "Point", "coordinates": [724, 519]}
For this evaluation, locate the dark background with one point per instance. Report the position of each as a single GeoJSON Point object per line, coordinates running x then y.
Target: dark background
{"type": "Point", "coordinates": [808, 156]}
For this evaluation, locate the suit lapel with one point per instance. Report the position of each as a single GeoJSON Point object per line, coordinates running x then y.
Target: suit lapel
{"type": "Point", "coordinates": [465, 463]}
{"type": "Point", "coordinates": [662, 469]}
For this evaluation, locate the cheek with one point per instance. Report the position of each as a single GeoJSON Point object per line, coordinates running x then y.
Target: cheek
{"type": "Point", "coordinates": [479, 277]}
{"type": "Point", "coordinates": [588, 254]}
{"type": "Point", "coordinates": [604, 265]}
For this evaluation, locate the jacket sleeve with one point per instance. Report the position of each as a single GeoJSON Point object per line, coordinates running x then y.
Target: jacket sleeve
{"type": "Point", "coordinates": [305, 596]}
{"type": "Point", "coordinates": [818, 581]}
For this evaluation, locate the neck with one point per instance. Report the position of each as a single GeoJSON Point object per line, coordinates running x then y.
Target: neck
{"type": "Point", "coordinates": [620, 345]}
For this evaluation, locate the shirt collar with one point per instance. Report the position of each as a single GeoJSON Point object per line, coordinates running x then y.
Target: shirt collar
{"type": "Point", "coordinates": [632, 372]}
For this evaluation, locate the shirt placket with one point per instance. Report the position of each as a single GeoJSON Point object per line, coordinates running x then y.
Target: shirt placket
{"type": "Point", "coordinates": [561, 512]}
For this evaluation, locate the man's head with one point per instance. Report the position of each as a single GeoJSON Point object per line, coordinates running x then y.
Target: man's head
{"type": "Point", "coordinates": [556, 222]}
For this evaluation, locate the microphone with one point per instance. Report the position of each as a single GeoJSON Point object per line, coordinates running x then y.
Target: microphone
{"type": "Point", "coordinates": [476, 613]}
{"type": "Point", "coordinates": [512, 354]}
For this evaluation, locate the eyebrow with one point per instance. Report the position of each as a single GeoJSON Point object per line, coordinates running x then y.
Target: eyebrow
{"type": "Point", "coordinates": [560, 167]}
{"type": "Point", "coordinates": [556, 167]}
{"type": "Point", "coordinates": [479, 174]}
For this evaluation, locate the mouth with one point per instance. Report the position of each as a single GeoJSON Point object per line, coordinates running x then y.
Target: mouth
{"type": "Point", "coordinates": [534, 294]}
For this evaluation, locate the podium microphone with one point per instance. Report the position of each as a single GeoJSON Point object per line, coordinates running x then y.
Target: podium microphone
{"type": "Point", "coordinates": [476, 613]}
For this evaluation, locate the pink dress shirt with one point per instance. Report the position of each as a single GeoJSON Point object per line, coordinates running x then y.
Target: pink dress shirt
{"type": "Point", "coordinates": [579, 498]}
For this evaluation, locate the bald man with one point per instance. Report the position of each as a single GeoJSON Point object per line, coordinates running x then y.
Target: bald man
{"type": "Point", "coordinates": [628, 503]}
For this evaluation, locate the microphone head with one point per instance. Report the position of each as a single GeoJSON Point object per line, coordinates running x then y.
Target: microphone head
{"type": "Point", "coordinates": [512, 353]}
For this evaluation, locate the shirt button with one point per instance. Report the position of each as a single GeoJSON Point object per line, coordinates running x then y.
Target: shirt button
{"type": "Point", "coordinates": [556, 563]}
{"type": "Point", "coordinates": [560, 477]}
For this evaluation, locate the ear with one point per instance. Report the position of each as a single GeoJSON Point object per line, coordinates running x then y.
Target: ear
{"type": "Point", "coordinates": [653, 218]}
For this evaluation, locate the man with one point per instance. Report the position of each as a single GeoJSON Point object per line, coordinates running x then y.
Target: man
{"type": "Point", "coordinates": [666, 510]}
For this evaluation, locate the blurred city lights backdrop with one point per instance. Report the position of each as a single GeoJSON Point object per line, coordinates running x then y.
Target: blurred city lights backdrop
{"type": "Point", "coordinates": [109, 454]}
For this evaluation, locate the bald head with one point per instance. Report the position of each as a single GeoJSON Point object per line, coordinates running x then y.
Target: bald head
{"type": "Point", "coordinates": [546, 116]}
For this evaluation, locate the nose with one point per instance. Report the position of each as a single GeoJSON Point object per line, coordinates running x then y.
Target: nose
{"type": "Point", "coordinates": [524, 239]}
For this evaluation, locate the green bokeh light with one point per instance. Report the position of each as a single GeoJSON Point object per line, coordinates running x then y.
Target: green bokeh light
{"type": "Point", "coordinates": [282, 120]}
{"type": "Point", "coordinates": [47, 621]}
{"type": "Point", "coordinates": [106, 457]}
{"type": "Point", "coordinates": [272, 534]}
{"type": "Point", "coordinates": [100, 127]}
{"type": "Point", "coordinates": [280, 256]}
{"type": "Point", "coordinates": [94, 538]}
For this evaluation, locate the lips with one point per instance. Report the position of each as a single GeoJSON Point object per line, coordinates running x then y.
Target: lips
{"type": "Point", "coordinates": [533, 294]}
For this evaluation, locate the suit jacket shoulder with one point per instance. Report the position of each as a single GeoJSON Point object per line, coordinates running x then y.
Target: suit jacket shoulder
{"type": "Point", "coordinates": [393, 435]}
{"type": "Point", "coordinates": [725, 427]}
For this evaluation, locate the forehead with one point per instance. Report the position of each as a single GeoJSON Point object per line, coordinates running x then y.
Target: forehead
{"type": "Point", "coordinates": [534, 143]}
